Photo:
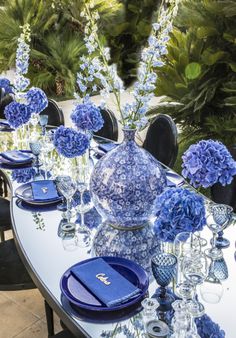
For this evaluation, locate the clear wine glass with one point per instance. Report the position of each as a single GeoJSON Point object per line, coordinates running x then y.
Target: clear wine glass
{"type": "Point", "coordinates": [211, 290]}
{"type": "Point", "coordinates": [195, 270]}
{"type": "Point", "coordinates": [67, 187]}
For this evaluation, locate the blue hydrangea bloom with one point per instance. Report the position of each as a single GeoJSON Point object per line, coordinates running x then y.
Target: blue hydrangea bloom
{"type": "Point", "coordinates": [206, 328]}
{"type": "Point", "coordinates": [17, 114]}
{"type": "Point", "coordinates": [69, 142]}
{"type": "Point", "coordinates": [6, 85]}
{"type": "Point", "coordinates": [36, 100]}
{"type": "Point", "coordinates": [76, 200]}
{"type": "Point", "coordinates": [87, 116]}
{"type": "Point", "coordinates": [208, 162]}
{"type": "Point", "coordinates": [178, 210]}
{"type": "Point", "coordinates": [23, 175]}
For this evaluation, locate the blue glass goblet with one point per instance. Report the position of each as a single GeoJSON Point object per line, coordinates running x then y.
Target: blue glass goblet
{"type": "Point", "coordinates": [222, 215]}
{"type": "Point", "coordinates": [164, 268]}
{"type": "Point", "coordinates": [36, 149]}
{"type": "Point", "coordinates": [43, 121]}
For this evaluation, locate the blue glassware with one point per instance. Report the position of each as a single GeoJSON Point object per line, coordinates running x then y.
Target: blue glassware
{"type": "Point", "coordinates": [36, 149]}
{"type": "Point", "coordinates": [220, 269]}
{"type": "Point", "coordinates": [222, 215]}
{"type": "Point", "coordinates": [43, 121]}
{"type": "Point", "coordinates": [125, 183]}
{"type": "Point", "coordinates": [164, 268]}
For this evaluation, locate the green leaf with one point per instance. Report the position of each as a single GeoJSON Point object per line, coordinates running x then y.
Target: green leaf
{"type": "Point", "coordinates": [204, 32]}
{"type": "Point", "coordinates": [193, 70]}
{"type": "Point", "coordinates": [233, 66]}
{"type": "Point", "coordinates": [210, 58]}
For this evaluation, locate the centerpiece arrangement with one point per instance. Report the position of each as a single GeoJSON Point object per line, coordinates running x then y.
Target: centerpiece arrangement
{"type": "Point", "coordinates": [125, 183]}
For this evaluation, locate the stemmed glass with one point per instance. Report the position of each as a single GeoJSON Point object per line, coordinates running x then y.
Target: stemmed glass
{"type": "Point", "coordinates": [67, 187]}
{"type": "Point", "coordinates": [164, 266]}
{"type": "Point", "coordinates": [195, 270]}
{"type": "Point", "coordinates": [43, 121]}
{"type": "Point", "coordinates": [222, 215]}
{"type": "Point", "coordinates": [36, 149]}
{"type": "Point", "coordinates": [211, 290]}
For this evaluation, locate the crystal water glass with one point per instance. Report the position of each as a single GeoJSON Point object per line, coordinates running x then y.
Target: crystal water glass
{"type": "Point", "coordinates": [149, 312]}
{"type": "Point", "coordinates": [69, 237]}
{"type": "Point", "coordinates": [195, 270]}
{"type": "Point", "coordinates": [164, 266]}
{"type": "Point", "coordinates": [67, 187]}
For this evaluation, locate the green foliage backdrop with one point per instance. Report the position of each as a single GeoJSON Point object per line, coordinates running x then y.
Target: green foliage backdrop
{"type": "Point", "coordinates": [200, 71]}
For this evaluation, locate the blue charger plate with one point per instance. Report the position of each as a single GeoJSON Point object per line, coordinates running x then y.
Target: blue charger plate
{"type": "Point", "coordinates": [80, 297]}
{"type": "Point", "coordinates": [24, 192]}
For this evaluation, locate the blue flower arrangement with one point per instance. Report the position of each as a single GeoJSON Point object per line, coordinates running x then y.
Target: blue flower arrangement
{"type": "Point", "coordinates": [36, 100]}
{"type": "Point", "coordinates": [206, 328]}
{"type": "Point", "coordinates": [178, 210]}
{"type": "Point", "coordinates": [87, 116]}
{"type": "Point", "coordinates": [6, 85]}
{"type": "Point", "coordinates": [17, 114]}
{"type": "Point", "coordinates": [23, 175]}
{"type": "Point", "coordinates": [208, 162]}
{"type": "Point", "coordinates": [69, 142]}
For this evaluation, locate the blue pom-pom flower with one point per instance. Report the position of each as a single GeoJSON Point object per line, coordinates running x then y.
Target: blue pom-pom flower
{"type": "Point", "coordinates": [23, 175]}
{"type": "Point", "coordinates": [17, 114]}
{"type": "Point", "coordinates": [36, 100]}
{"type": "Point", "coordinates": [206, 328]}
{"type": "Point", "coordinates": [208, 162]}
{"type": "Point", "coordinates": [6, 85]}
{"type": "Point", "coordinates": [69, 142]}
{"type": "Point", "coordinates": [178, 210]}
{"type": "Point", "coordinates": [87, 116]}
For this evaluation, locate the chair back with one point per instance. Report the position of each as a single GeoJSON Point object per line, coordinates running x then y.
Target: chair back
{"type": "Point", "coordinates": [110, 127]}
{"type": "Point", "coordinates": [5, 184]}
{"type": "Point", "coordinates": [55, 114]}
{"type": "Point", "coordinates": [161, 140]}
{"type": "Point", "coordinates": [5, 100]}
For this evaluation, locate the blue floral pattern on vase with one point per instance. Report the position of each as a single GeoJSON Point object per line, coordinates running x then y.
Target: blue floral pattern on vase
{"type": "Point", "coordinates": [138, 245]}
{"type": "Point", "coordinates": [125, 183]}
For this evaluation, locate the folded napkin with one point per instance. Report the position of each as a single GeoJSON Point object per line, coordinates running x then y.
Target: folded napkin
{"type": "Point", "coordinates": [107, 146]}
{"type": "Point", "coordinates": [16, 156]}
{"type": "Point", "coordinates": [44, 190]}
{"type": "Point", "coordinates": [104, 282]}
{"type": "Point", "coordinates": [4, 123]}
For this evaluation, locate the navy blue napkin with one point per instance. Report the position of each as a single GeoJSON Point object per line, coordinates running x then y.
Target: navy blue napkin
{"type": "Point", "coordinates": [104, 282]}
{"type": "Point", "coordinates": [44, 190]}
{"type": "Point", "coordinates": [107, 146]}
{"type": "Point", "coordinates": [16, 156]}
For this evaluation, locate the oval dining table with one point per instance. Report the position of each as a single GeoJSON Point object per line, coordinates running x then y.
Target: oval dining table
{"type": "Point", "coordinates": [41, 250]}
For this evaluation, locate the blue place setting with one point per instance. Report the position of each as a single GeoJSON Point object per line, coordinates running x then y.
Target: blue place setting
{"type": "Point", "coordinates": [17, 156]}
{"type": "Point", "coordinates": [38, 192]}
{"type": "Point", "coordinates": [105, 147]}
{"type": "Point", "coordinates": [95, 284]}
{"type": "Point", "coordinates": [5, 127]}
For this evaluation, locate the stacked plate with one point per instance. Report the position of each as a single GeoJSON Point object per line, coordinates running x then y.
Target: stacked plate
{"type": "Point", "coordinates": [83, 301]}
{"type": "Point", "coordinates": [23, 159]}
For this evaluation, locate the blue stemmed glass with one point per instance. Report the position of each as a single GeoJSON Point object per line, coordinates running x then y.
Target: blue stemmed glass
{"type": "Point", "coordinates": [36, 149]}
{"type": "Point", "coordinates": [222, 215]}
{"type": "Point", "coordinates": [164, 268]}
{"type": "Point", "coordinates": [43, 121]}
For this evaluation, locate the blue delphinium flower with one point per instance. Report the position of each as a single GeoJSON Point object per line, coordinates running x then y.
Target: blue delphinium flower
{"type": "Point", "coordinates": [178, 210]}
{"type": "Point", "coordinates": [206, 328]}
{"type": "Point", "coordinates": [36, 100]}
{"type": "Point", "coordinates": [69, 142]}
{"type": "Point", "coordinates": [17, 114]}
{"type": "Point", "coordinates": [6, 85]}
{"type": "Point", "coordinates": [87, 116]}
{"type": "Point", "coordinates": [208, 162]}
{"type": "Point", "coordinates": [23, 175]}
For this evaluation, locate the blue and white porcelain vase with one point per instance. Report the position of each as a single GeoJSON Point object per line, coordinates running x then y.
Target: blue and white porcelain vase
{"type": "Point", "coordinates": [125, 183]}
